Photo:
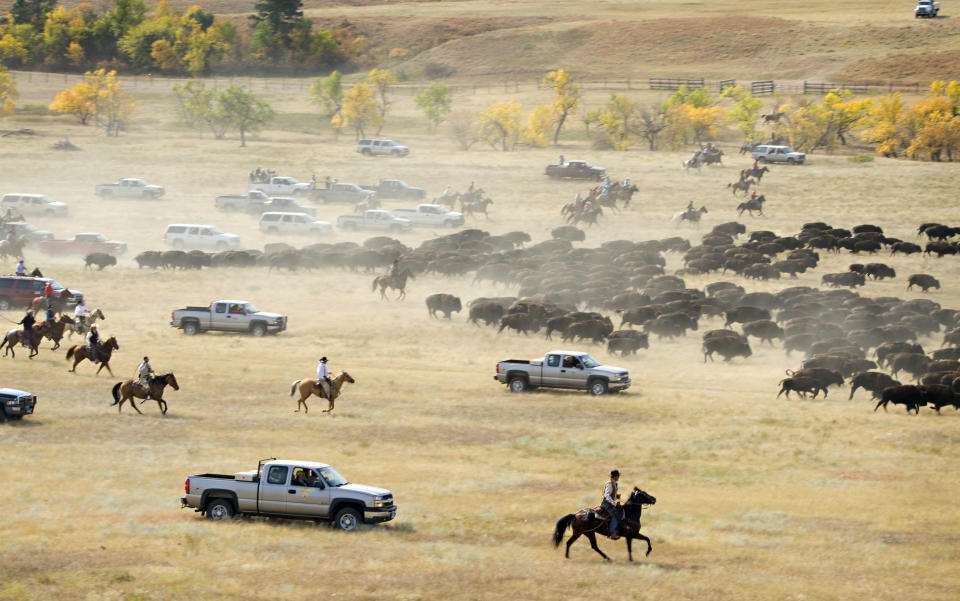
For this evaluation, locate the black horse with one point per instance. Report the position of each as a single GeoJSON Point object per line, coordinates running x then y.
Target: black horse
{"type": "Point", "coordinates": [586, 522]}
{"type": "Point", "coordinates": [754, 204]}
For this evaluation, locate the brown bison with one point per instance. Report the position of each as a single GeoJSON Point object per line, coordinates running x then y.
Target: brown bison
{"type": "Point", "coordinates": [874, 381]}
{"type": "Point", "coordinates": [801, 385]}
{"type": "Point", "coordinates": [446, 303]}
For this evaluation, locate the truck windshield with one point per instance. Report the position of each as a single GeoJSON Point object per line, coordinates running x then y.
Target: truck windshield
{"type": "Point", "coordinates": [332, 478]}
{"type": "Point", "coordinates": [589, 361]}
{"type": "Point", "coordinates": [249, 309]}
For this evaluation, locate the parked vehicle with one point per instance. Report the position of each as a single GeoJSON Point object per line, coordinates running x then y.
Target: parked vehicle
{"type": "Point", "coordinates": [240, 202]}
{"type": "Point", "coordinates": [28, 232]}
{"type": "Point", "coordinates": [347, 193]}
{"type": "Point", "coordinates": [389, 189]}
{"type": "Point", "coordinates": [34, 204]}
{"type": "Point", "coordinates": [374, 219]}
{"type": "Point", "coordinates": [926, 8]}
{"type": "Point", "coordinates": [381, 148]}
{"type": "Point", "coordinates": [576, 170]}
{"type": "Point", "coordinates": [199, 237]}
{"type": "Point", "coordinates": [83, 244]}
{"type": "Point", "coordinates": [293, 223]}
{"type": "Point", "coordinates": [283, 186]}
{"type": "Point", "coordinates": [562, 369]}
{"type": "Point", "coordinates": [428, 214]}
{"type": "Point", "coordinates": [306, 490]}
{"type": "Point", "coordinates": [17, 291]}
{"type": "Point", "coordinates": [281, 204]}
{"type": "Point", "coordinates": [778, 154]}
{"type": "Point", "coordinates": [14, 404]}
{"type": "Point", "coordinates": [227, 316]}
{"type": "Point", "coordinates": [130, 187]}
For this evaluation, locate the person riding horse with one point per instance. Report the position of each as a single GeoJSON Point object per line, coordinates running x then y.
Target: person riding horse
{"type": "Point", "coordinates": [93, 343]}
{"type": "Point", "coordinates": [80, 314]}
{"type": "Point", "coordinates": [27, 323]}
{"type": "Point", "coordinates": [611, 504]}
{"type": "Point", "coordinates": [21, 269]}
{"type": "Point", "coordinates": [323, 377]}
{"type": "Point", "coordinates": [394, 269]}
{"type": "Point", "coordinates": [143, 374]}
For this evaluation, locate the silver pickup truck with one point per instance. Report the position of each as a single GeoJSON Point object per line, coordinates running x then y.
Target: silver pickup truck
{"type": "Point", "coordinates": [227, 316]}
{"type": "Point", "coordinates": [562, 369]}
{"type": "Point", "coordinates": [290, 489]}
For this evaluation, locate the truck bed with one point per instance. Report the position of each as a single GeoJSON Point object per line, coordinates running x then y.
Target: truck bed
{"type": "Point", "coordinates": [203, 309]}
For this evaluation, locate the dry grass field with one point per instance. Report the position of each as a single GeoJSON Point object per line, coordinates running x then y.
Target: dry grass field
{"type": "Point", "coordinates": [758, 498]}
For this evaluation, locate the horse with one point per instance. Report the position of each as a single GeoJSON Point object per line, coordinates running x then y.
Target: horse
{"type": "Point", "coordinates": [588, 216]}
{"type": "Point", "coordinates": [747, 147]}
{"type": "Point", "coordinates": [128, 390]}
{"type": "Point", "coordinates": [773, 117]}
{"type": "Point", "coordinates": [715, 156]}
{"type": "Point", "coordinates": [12, 248]}
{"type": "Point", "coordinates": [15, 337]}
{"type": "Point", "coordinates": [476, 206]}
{"type": "Point", "coordinates": [754, 172]}
{"type": "Point", "coordinates": [693, 163]}
{"type": "Point", "coordinates": [397, 281]}
{"type": "Point", "coordinates": [56, 302]}
{"type": "Point", "coordinates": [691, 215]}
{"type": "Point", "coordinates": [53, 329]}
{"type": "Point", "coordinates": [587, 522]}
{"type": "Point", "coordinates": [364, 205]}
{"type": "Point", "coordinates": [105, 348]}
{"type": "Point", "coordinates": [743, 185]}
{"type": "Point", "coordinates": [91, 318]}
{"type": "Point", "coordinates": [308, 386]}
{"type": "Point", "coordinates": [754, 204]}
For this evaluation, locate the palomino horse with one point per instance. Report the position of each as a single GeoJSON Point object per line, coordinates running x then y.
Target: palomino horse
{"type": "Point", "coordinates": [91, 318]}
{"type": "Point", "coordinates": [15, 337]}
{"type": "Point", "coordinates": [128, 390]}
{"type": "Point", "coordinates": [53, 329]}
{"type": "Point", "coordinates": [57, 303]}
{"type": "Point", "coordinates": [691, 215]}
{"type": "Point", "coordinates": [308, 386]}
{"type": "Point", "coordinates": [105, 348]}
{"type": "Point", "coordinates": [397, 282]}
{"type": "Point", "coordinates": [588, 522]}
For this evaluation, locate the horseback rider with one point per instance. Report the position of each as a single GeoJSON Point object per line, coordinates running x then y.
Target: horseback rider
{"type": "Point", "coordinates": [93, 343]}
{"type": "Point", "coordinates": [21, 269]}
{"type": "Point", "coordinates": [753, 195]}
{"type": "Point", "coordinates": [80, 313]}
{"type": "Point", "coordinates": [49, 315]}
{"type": "Point", "coordinates": [143, 374]}
{"type": "Point", "coordinates": [690, 207]}
{"type": "Point", "coordinates": [755, 164]}
{"type": "Point", "coordinates": [27, 323]}
{"type": "Point", "coordinates": [610, 503]}
{"type": "Point", "coordinates": [394, 269]}
{"type": "Point", "coordinates": [323, 377]}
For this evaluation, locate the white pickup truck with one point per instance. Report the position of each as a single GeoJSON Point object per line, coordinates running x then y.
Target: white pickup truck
{"type": "Point", "coordinates": [283, 186]}
{"type": "Point", "coordinates": [227, 316]}
{"type": "Point", "coordinates": [306, 490]}
{"type": "Point", "coordinates": [428, 214]}
{"type": "Point", "coordinates": [130, 187]}
{"type": "Point", "coordinates": [374, 219]}
{"type": "Point", "coordinates": [240, 202]}
{"type": "Point", "coordinates": [927, 9]}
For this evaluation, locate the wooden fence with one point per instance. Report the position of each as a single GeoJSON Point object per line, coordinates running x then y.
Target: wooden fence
{"type": "Point", "coordinates": [824, 88]}
{"type": "Point", "coordinates": [674, 84]}
{"type": "Point", "coordinates": [762, 88]}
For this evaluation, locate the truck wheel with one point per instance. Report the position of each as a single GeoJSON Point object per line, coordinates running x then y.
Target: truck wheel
{"type": "Point", "coordinates": [518, 384]}
{"type": "Point", "coordinates": [598, 387]}
{"type": "Point", "coordinates": [791, 161]}
{"type": "Point", "coordinates": [365, 152]}
{"type": "Point", "coordinates": [4, 303]}
{"type": "Point", "coordinates": [348, 519]}
{"type": "Point", "coordinates": [257, 330]}
{"type": "Point", "coordinates": [190, 328]}
{"type": "Point", "coordinates": [3, 415]}
{"type": "Point", "coordinates": [450, 224]}
{"type": "Point", "coordinates": [219, 510]}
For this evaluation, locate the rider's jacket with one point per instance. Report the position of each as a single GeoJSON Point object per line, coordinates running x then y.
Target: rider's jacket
{"type": "Point", "coordinates": [610, 492]}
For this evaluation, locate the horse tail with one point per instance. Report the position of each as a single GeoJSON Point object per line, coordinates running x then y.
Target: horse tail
{"type": "Point", "coordinates": [562, 526]}
{"type": "Point", "coordinates": [374, 287]}
{"type": "Point", "coordinates": [116, 393]}
{"type": "Point", "coordinates": [293, 387]}
{"type": "Point", "coordinates": [70, 353]}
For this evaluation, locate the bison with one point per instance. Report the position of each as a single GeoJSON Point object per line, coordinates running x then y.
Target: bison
{"type": "Point", "coordinates": [764, 329]}
{"type": "Point", "coordinates": [446, 303]}
{"type": "Point", "coordinates": [907, 395]}
{"type": "Point", "coordinates": [101, 260]}
{"type": "Point", "coordinates": [801, 385]}
{"type": "Point", "coordinates": [489, 312]}
{"type": "Point", "coordinates": [727, 347]}
{"type": "Point", "coordinates": [744, 314]}
{"type": "Point", "coordinates": [924, 281]}
{"type": "Point", "coordinates": [874, 381]}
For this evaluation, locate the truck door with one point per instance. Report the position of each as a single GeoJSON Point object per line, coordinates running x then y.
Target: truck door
{"type": "Point", "coordinates": [218, 317]}
{"type": "Point", "coordinates": [551, 371]}
{"type": "Point", "coordinates": [273, 490]}
{"type": "Point", "coordinates": [307, 494]}
{"type": "Point", "coordinates": [571, 373]}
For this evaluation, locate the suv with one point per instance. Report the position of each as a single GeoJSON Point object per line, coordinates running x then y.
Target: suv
{"type": "Point", "coordinates": [194, 236]}
{"type": "Point", "coordinates": [28, 232]}
{"type": "Point", "coordinates": [20, 291]}
{"type": "Point", "coordinates": [778, 154]}
{"type": "Point", "coordinates": [293, 223]}
{"type": "Point", "coordinates": [14, 404]}
{"type": "Point", "coordinates": [381, 147]}
{"type": "Point", "coordinates": [34, 204]}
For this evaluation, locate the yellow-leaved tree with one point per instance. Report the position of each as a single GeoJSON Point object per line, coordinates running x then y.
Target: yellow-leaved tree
{"type": "Point", "coordinates": [8, 92]}
{"type": "Point", "coordinates": [887, 125]}
{"type": "Point", "coordinates": [359, 110]}
{"type": "Point", "coordinates": [381, 80]}
{"type": "Point", "coordinates": [79, 100]}
{"type": "Point", "coordinates": [538, 127]}
{"type": "Point", "coordinates": [566, 99]}
{"type": "Point", "coordinates": [500, 124]}
{"type": "Point", "coordinates": [99, 96]}
{"type": "Point", "coordinates": [935, 128]}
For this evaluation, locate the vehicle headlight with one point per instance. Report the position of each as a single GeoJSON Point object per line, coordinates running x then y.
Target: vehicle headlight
{"type": "Point", "coordinates": [382, 501]}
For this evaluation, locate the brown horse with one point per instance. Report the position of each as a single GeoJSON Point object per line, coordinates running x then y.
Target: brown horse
{"type": "Point", "coordinates": [12, 248]}
{"type": "Point", "coordinates": [15, 337]}
{"type": "Point", "coordinates": [128, 390]}
{"type": "Point", "coordinates": [742, 186]}
{"type": "Point", "coordinates": [308, 386]}
{"type": "Point", "coordinates": [56, 302]}
{"type": "Point", "coordinates": [588, 522]}
{"type": "Point", "coordinates": [397, 282]}
{"type": "Point", "coordinates": [91, 318]}
{"type": "Point", "coordinates": [54, 329]}
{"type": "Point", "coordinates": [105, 348]}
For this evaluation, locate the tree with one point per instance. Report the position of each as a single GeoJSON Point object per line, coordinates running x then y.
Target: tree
{"type": "Point", "coordinates": [616, 121]}
{"type": "Point", "coordinates": [814, 126]}
{"type": "Point", "coordinates": [281, 14]}
{"type": "Point", "coordinates": [359, 110]}
{"type": "Point", "coordinates": [328, 92]}
{"type": "Point", "coordinates": [114, 107]}
{"type": "Point", "coordinates": [8, 92]}
{"type": "Point", "coordinates": [463, 128]}
{"type": "Point", "coordinates": [887, 126]}
{"type": "Point", "coordinates": [500, 124]}
{"type": "Point", "coordinates": [539, 122]}
{"type": "Point", "coordinates": [435, 102]}
{"type": "Point", "coordinates": [242, 109]}
{"type": "Point", "coordinates": [199, 106]}
{"type": "Point", "coordinates": [745, 111]}
{"type": "Point", "coordinates": [32, 12]}
{"type": "Point", "coordinates": [124, 16]}
{"type": "Point", "coordinates": [566, 99]}
{"type": "Point", "coordinates": [650, 124]}
{"type": "Point", "coordinates": [846, 113]}
{"type": "Point", "coordinates": [79, 100]}
{"type": "Point", "coordinates": [381, 80]}
{"type": "Point", "coordinates": [930, 121]}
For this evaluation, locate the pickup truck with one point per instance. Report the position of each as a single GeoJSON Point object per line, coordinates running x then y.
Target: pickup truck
{"type": "Point", "coordinates": [14, 404]}
{"type": "Point", "coordinates": [283, 186]}
{"type": "Point", "coordinates": [576, 170]}
{"type": "Point", "coordinates": [348, 193]}
{"type": "Point", "coordinates": [374, 219]}
{"type": "Point", "coordinates": [381, 148]}
{"type": "Point", "coordinates": [426, 214]}
{"type": "Point", "coordinates": [395, 189]}
{"type": "Point", "coordinates": [282, 204]}
{"type": "Point", "coordinates": [562, 369]}
{"type": "Point", "coordinates": [227, 316]}
{"type": "Point", "coordinates": [130, 187]}
{"type": "Point", "coordinates": [240, 202]}
{"type": "Point", "coordinates": [83, 244]}
{"type": "Point", "coordinates": [926, 9]}
{"type": "Point", "coordinates": [305, 490]}
{"type": "Point", "coordinates": [765, 153]}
